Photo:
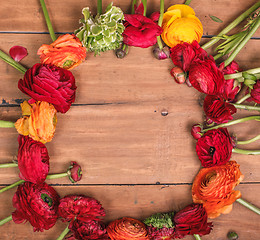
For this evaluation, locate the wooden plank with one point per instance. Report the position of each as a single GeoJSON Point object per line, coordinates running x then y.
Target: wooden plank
{"type": "Point", "coordinates": [129, 143]}
{"type": "Point", "coordinates": [140, 202]}
{"type": "Point", "coordinates": [65, 17]}
{"type": "Point", "coordinates": [106, 79]}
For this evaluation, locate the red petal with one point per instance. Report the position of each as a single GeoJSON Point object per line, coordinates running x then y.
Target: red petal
{"type": "Point", "coordinates": [18, 53]}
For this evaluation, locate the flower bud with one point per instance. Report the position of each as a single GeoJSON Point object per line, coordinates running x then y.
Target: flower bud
{"type": "Point", "coordinates": [120, 53]}
{"type": "Point", "coordinates": [178, 75]}
{"type": "Point", "coordinates": [232, 236]}
{"type": "Point", "coordinates": [196, 131]}
{"type": "Point", "coordinates": [161, 54]}
{"type": "Point", "coordinates": [74, 172]}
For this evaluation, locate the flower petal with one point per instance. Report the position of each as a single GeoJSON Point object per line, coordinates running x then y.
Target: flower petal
{"type": "Point", "coordinates": [18, 53]}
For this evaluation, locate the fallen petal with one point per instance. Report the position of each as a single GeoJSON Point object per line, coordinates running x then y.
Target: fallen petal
{"type": "Point", "coordinates": [18, 53]}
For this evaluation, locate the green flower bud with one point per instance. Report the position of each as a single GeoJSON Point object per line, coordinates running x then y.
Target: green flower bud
{"type": "Point", "coordinates": [232, 236]}
{"type": "Point", "coordinates": [102, 33]}
{"type": "Point", "coordinates": [160, 220]}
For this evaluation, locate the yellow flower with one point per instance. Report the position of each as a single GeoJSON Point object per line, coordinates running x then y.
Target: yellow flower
{"type": "Point", "coordinates": [39, 121]}
{"type": "Point", "coordinates": [180, 25]}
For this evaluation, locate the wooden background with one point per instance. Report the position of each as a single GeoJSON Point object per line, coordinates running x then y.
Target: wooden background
{"type": "Point", "coordinates": [136, 161]}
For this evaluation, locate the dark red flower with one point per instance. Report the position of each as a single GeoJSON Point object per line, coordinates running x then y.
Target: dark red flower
{"type": "Point", "coordinates": [217, 109]}
{"type": "Point", "coordinates": [205, 76]}
{"type": "Point", "coordinates": [183, 54]}
{"type": "Point", "coordinates": [191, 220]}
{"type": "Point", "coordinates": [255, 93]}
{"type": "Point", "coordinates": [36, 203]}
{"type": "Point", "coordinates": [214, 148]}
{"type": "Point", "coordinates": [140, 31]}
{"type": "Point", "coordinates": [18, 53]}
{"type": "Point", "coordinates": [231, 86]}
{"type": "Point", "coordinates": [196, 131]}
{"type": "Point", "coordinates": [160, 233]}
{"type": "Point", "coordinates": [33, 160]}
{"type": "Point", "coordinates": [75, 172]}
{"type": "Point", "coordinates": [80, 207]}
{"type": "Point", "coordinates": [88, 230]}
{"type": "Point", "coordinates": [51, 84]}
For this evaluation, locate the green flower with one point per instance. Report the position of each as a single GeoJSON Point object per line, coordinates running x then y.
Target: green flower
{"type": "Point", "coordinates": [160, 220]}
{"type": "Point", "coordinates": [102, 33]}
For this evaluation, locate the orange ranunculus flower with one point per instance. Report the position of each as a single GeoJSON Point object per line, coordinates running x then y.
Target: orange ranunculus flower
{"type": "Point", "coordinates": [66, 52]}
{"type": "Point", "coordinates": [127, 228]}
{"type": "Point", "coordinates": [39, 121]}
{"type": "Point", "coordinates": [213, 187]}
{"type": "Point", "coordinates": [180, 25]}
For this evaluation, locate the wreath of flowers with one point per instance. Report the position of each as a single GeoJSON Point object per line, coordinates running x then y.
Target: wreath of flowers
{"type": "Point", "coordinates": [51, 87]}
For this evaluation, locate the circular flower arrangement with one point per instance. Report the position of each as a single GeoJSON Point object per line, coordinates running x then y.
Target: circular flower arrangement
{"type": "Point", "coordinates": [52, 88]}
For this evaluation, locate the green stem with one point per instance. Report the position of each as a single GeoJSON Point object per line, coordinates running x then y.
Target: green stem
{"type": "Point", "coordinates": [57, 175]}
{"type": "Point", "coordinates": [12, 62]}
{"type": "Point", "coordinates": [99, 7]}
{"type": "Point", "coordinates": [246, 152]}
{"type": "Point", "coordinates": [232, 25]}
{"type": "Point", "coordinates": [6, 124]}
{"type": "Point", "coordinates": [64, 233]}
{"type": "Point", "coordinates": [48, 21]}
{"type": "Point", "coordinates": [243, 98]}
{"type": "Point", "coordinates": [133, 6]}
{"type": "Point", "coordinates": [233, 122]}
{"type": "Point", "coordinates": [240, 74]}
{"type": "Point", "coordinates": [246, 107]}
{"type": "Point", "coordinates": [159, 41]}
{"type": "Point", "coordinates": [51, 176]}
{"type": "Point", "coordinates": [125, 48]}
{"type": "Point", "coordinates": [145, 6]}
{"type": "Point", "coordinates": [249, 140]}
{"type": "Point", "coordinates": [243, 42]}
{"type": "Point", "coordinates": [187, 2]}
{"type": "Point", "coordinates": [219, 55]}
{"type": "Point", "coordinates": [5, 220]}
{"type": "Point", "coordinates": [249, 205]}
{"type": "Point", "coordinates": [7, 165]}
{"type": "Point", "coordinates": [11, 186]}
{"type": "Point", "coordinates": [197, 236]}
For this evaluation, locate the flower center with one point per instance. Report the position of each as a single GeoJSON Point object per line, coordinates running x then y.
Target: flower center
{"type": "Point", "coordinates": [212, 151]}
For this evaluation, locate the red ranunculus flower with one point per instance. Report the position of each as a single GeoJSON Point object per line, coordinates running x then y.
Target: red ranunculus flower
{"type": "Point", "coordinates": [217, 109]}
{"type": "Point", "coordinates": [191, 220]}
{"type": "Point", "coordinates": [81, 208]}
{"type": "Point", "coordinates": [36, 203]}
{"type": "Point", "coordinates": [231, 86]}
{"type": "Point", "coordinates": [183, 54]}
{"type": "Point", "coordinates": [161, 233]}
{"type": "Point", "coordinates": [88, 230]}
{"type": "Point", "coordinates": [205, 76]}
{"type": "Point", "coordinates": [51, 84]}
{"type": "Point", "coordinates": [127, 228]}
{"type": "Point", "coordinates": [140, 31]}
{"type": "Point", "coordinates": [255, 93]}
{"type": "Point", "coordinates": [33, 160]}
{"type": "Point", "coordinates": [75, 172]}
{"type": "Point", "coordinates": [214, 148]}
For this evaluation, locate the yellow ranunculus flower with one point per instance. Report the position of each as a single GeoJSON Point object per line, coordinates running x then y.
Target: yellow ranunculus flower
{"type": "Point", "coordinates": [38, 121]}
{"type": "Point", "coordinates": [180, 25]}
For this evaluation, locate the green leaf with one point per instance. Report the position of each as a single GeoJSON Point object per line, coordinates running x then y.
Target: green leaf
{"type": "Point", "coordinates": [249, 76]}
{"type": "Point", "coordinates": [215, 19]}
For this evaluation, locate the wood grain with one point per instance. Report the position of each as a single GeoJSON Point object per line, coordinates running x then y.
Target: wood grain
{"type": "Point", "coordinates": [129, 128]}
{"type": "Point", "coordinates": [129, 143]}
{"type": "Point", "coordinates": [140, 202]}
{"type": "Point", "coordinates": [105, 79]}
{"type": "Point", "coordinates": [65, 17]}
